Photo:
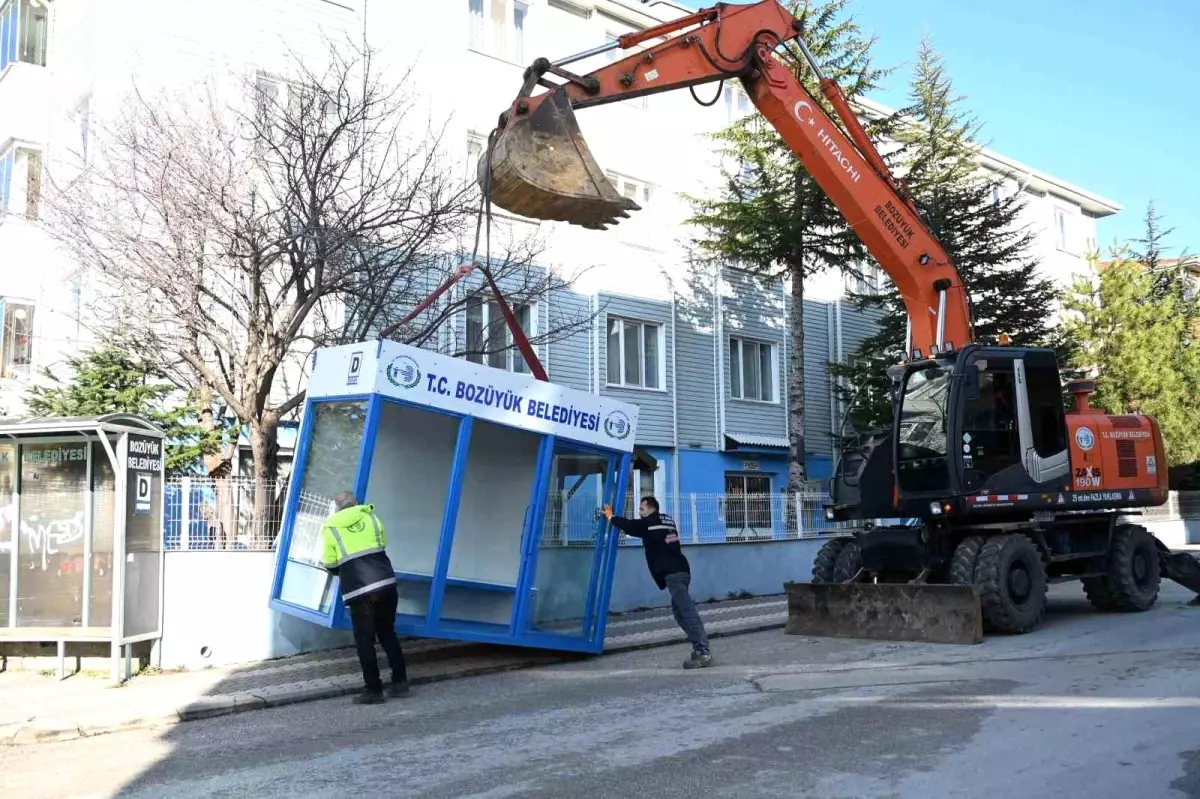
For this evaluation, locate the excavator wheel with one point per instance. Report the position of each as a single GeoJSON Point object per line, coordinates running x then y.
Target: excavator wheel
{"type": "Point", "coordinates": [1134, 573]}
{"type": "Point", "coordinates": [848, 564]}
{"type": "Point", "coordinates": [826, 559]}
{"type": "Point", "coordinates": [962, 565]}
{"type": "Point", "coordinates": [1012, 583]}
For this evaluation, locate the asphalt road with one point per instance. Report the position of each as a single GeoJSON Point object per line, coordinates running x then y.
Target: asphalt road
{"type": "Point", "coordinates": [1090, 705]}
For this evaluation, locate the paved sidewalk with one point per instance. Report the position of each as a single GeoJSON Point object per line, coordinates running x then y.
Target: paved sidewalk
{"type": "Point", "coordinates": [37, 708]}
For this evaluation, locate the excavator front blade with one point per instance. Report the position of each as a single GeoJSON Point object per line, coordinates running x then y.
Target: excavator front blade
{"type": "Point", "coordinates": [941, 614]}
{"type": "Point", "coordinates": [542, 169]}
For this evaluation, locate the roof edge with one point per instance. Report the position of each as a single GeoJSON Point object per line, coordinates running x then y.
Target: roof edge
{"type": "Point", "coordinates": [1096, 204]}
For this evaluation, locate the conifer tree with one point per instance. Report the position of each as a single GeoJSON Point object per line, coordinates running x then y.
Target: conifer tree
{"type": "Point", "coordinates": [974, 218]}
{"type": "Point", "coordinates": [1142, 349]}
{"type": "Point", "coordinates": [771, 218]}
{"type": "Point", "coordinates": [108, 380]}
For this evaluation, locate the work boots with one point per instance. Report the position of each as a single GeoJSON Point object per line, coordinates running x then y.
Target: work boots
{"type": "Point", "coordinates": [698, 660]}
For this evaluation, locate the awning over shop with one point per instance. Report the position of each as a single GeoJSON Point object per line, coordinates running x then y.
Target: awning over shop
{"type": "Point", "coordinates": [643, 460]}
{"type": "Point", "coordinates": [744, 440]}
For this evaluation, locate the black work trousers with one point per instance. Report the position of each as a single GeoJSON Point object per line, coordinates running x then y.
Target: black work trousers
{"type": "Point", "coordinates": [373, 616]}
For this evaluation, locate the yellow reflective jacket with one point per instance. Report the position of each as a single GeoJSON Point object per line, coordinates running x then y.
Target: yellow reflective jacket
{"type": "Point", "coordinates": [355, 550]}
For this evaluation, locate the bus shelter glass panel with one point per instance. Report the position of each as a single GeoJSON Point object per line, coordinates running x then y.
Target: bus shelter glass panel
{"type": "Point", "coordinates": [143, 535]}
{"type": "Point", "coordinates": [497, 492]}
{"type": "Point", "coordinates": [8, 524]}
{"type": "Point", "coordinates": [331, 466]}
{"type": "Point", "coordinates": [410, 477]}
{"type": "Point", "coordinates": [104, 526]}
{"type": "Point", "coordinates": [54, 496]}
{"type": "Point", "coordinates": [568, 560]}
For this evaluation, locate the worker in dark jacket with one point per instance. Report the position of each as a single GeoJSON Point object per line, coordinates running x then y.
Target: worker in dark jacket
{"type": "Point", "coordinates": [355, 551]}
{"type": "Point", "coordinates": [670, 570]}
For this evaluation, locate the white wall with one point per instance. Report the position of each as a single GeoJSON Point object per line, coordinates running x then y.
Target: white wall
{"type": "Point", "coordinates": [219, 600]}
{"type": "Point", "coordinates": [496, 493]}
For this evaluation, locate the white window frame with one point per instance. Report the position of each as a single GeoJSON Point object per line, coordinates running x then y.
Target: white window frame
{"type": "Point", "coordinates": [514, 361]}
{"type": "Point", "coordinates": [733, 504]}
{"type": "Point", "coordinates": [870, 282]}
{"type": "Point", "coordinates": [15, 193]}
{"type": "Point", "coordinates": [284, 89]}
{"type": "Point", "coordinates": [742, 344]}
{"type": "Point", "coordinates": [507, 42]}
{"type": "Point", "coordinates": [643, 325]}
{"type": "Point", "coordinates": [737, 103]}
{"type": "Point", "coordinates": [1062, 230]}
{"type": "Point", "coordinates": [12, 47]}
{"type": "Point", "coordinates": [643, 190]}
{"type": "Point", "coordinates": [7, 307]}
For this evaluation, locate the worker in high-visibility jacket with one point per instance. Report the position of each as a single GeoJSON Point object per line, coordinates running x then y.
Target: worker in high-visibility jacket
{"type": "Point", "coordinates": [355, 551]}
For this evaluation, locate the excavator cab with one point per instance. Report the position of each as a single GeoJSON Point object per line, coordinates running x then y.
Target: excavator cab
{"type": "Point", "coordinates": [977, 420]}
{"type": "Point", "coordinates": [982, 419]}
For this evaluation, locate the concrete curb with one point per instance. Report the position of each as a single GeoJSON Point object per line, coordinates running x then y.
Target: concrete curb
{"type": "Point", "coordinates": [52, 730]}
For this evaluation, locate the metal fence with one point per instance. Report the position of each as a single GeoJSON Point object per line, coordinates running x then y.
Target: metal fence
{"type": "Point", "coordinates": [701, 518]}
{"type": "Point", "coordinates": [219, 514]}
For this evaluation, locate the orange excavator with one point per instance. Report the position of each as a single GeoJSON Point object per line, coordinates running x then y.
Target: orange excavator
{"type": "Point", "coordinates": [984, 491]}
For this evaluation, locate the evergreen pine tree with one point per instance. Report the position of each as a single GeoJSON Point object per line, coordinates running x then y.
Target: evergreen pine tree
{"type": "Point", "coordinates": [108, 380]}
{"type": "Point", "coordinates": [968, 212]}
{"type": "Point", "coordinates": [771, 218]}
{"type": "Point", "coordinates": [1143, 350]}
{"type": "Point", "coordinates": [1151, 251]}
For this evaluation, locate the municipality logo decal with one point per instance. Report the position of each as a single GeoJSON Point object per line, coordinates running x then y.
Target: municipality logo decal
{"type": "Point", "coordinates": [617, 425]}
{"type": "Point", "coordinates": [403, 372]}
{"type": "Point", "coordinates": [1085, 438]}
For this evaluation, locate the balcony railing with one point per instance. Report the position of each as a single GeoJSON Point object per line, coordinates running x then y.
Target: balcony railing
{"type": "Point", "coordinates": [24, 25]}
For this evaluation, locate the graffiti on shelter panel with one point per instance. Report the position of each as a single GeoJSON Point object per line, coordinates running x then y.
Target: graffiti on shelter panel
{"type": "Point", "coordinates": [45, 538]}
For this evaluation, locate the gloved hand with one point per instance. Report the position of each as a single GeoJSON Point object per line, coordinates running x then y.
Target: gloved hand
{"type": "Point", "coordinates": [608, 513]}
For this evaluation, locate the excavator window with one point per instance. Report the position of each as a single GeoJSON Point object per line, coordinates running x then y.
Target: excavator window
{"type": "Point", "coordinates": [1047, 423]}
{"type": "Point", "coordinates": [921, 446]}
{"type": "Point", "coordinates": [990, 438]}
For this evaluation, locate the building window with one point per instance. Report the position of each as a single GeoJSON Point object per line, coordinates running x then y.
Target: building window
{"type": "Point", "coordinates": [497, 27]}
{"type": "Point", "coordinates": [489, 341]}
{"type": "Point", "coordinates": [748, 503]}
{"type": "Point", "coordinates": [16, 344]}
{"type": "Point", "coordinates": [641, 484]}
{"type": "Point", "coordinates": [751, 370]}
{"type": "Point", "coordinates": [737, 104]}
{"type": "Point", "coordinates": [23, 28]}
{"type": "Point", "coordinates": [633, 354]}
{"type": "Point", "coordinates": [639, 230]}
{"type": "Point", "coordinates": [474, 153]}
{"type": "Point", "coordinates": [638, 191]}
{"type": "Point", "coordinates": [1060, 229]}
{"type": "Point", "coordinates": [276, 98]}
{"type": "Point", "coordinates": [869, 280]}
{"type": "Point", "coordinates": [995, 195]}
{"type": "Point", "coordinates": [21, 182]}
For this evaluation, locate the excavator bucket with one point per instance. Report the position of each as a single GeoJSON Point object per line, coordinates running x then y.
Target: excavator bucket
{"type": "Point", "coordinates": [542, 169]}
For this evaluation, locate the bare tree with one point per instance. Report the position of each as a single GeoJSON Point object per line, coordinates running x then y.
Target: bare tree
{"type": "Point", "coordinates": [236, 231]}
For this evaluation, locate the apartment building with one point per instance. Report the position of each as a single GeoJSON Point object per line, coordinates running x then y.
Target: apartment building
{"type": "Point", "coordinates": [704, 356]}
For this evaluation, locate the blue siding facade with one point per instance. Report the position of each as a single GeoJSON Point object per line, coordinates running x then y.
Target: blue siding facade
{"type": "Point", "coordinates": [702, 435]}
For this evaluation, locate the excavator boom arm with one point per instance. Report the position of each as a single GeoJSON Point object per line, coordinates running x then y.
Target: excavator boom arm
{"type": "Point", "coordinates": [541, 168]}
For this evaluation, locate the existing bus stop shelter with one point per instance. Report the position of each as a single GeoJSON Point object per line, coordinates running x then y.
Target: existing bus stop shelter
{"type": "Point", "coordinates": [81, 556]}
{"type": "Point", "coordinates": [473, 470]}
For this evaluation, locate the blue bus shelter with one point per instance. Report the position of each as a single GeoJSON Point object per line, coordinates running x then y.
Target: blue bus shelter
{"type": "Point", "coordinates": [475, 472]}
